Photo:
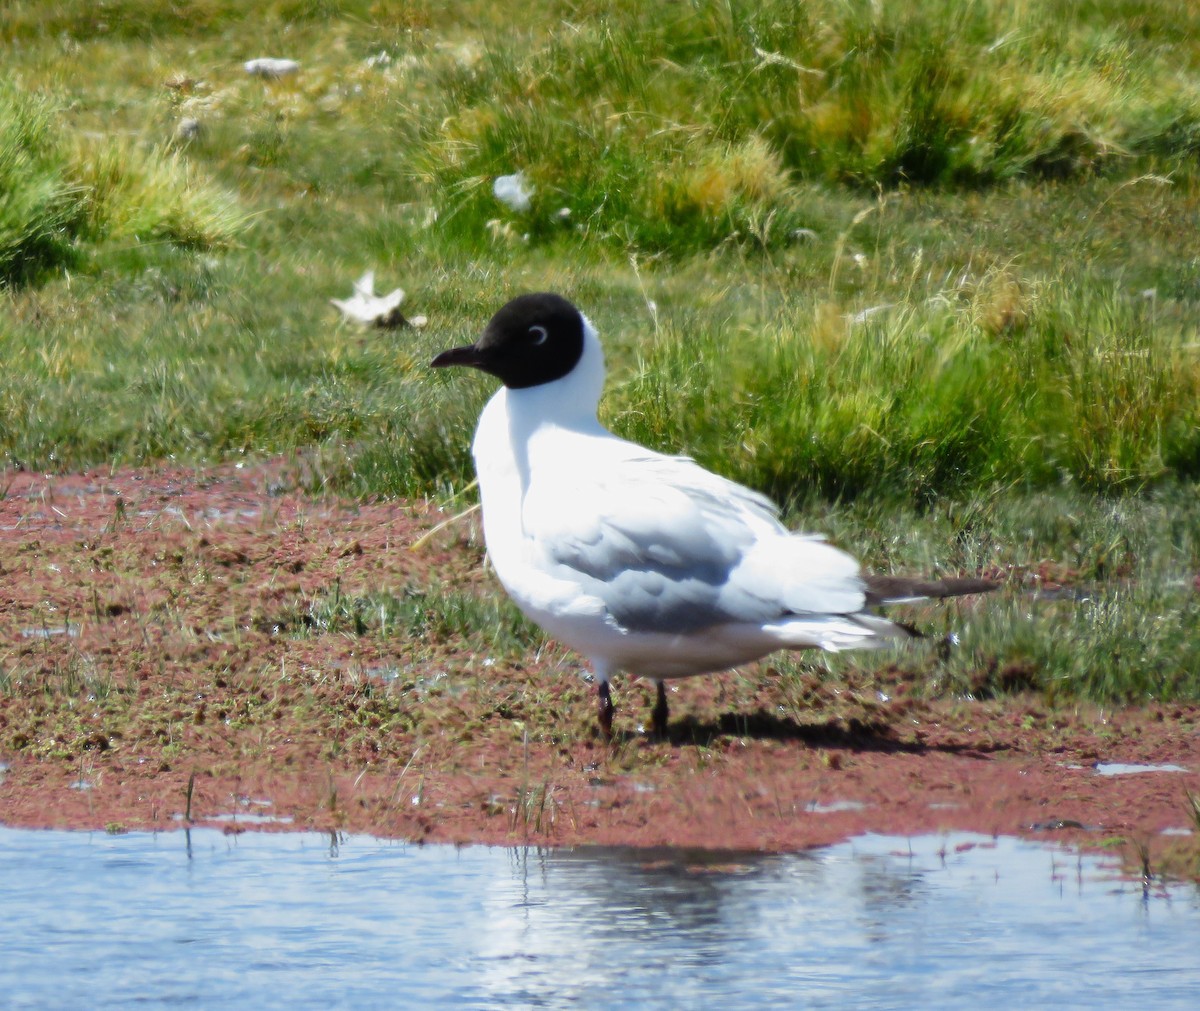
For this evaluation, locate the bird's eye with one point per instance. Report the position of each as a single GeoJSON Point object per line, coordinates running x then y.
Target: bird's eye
{"type": "Point", "coordinates": [538, 333]}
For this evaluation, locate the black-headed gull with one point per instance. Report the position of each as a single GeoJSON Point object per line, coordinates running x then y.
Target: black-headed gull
{"type": "Point", "coordinates": [644, 563]}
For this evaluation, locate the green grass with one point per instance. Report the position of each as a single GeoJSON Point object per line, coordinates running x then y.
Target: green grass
{"type": "Point", "coordinates": [905, 267]}
{"type": "Point", "coordinates": [38, 203]}
{"type": "Point", "coordinates": [428, 615]}
{"type": "Point", "coordinates": [983, 381]}
{"type": "Point", "coordinates": [62, 197]}
{"type": "Point", "coordinates": [1100, 599]}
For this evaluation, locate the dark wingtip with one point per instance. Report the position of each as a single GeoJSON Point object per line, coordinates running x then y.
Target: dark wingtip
{"type": "Point", "coordinates": [889, 589]}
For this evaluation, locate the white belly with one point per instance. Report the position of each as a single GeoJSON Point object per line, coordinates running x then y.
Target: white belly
{"type": "Point", "coordinates": [653, 654]}
{"type": "Point", "coordinates": [571, 611]}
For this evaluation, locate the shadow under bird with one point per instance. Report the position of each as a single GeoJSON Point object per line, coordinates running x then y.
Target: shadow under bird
{"type": "Point", "coordinates": [645, 563]}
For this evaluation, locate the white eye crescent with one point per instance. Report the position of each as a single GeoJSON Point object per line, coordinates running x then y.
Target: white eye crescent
{"type": "Point", "coordinates": [539, 334]}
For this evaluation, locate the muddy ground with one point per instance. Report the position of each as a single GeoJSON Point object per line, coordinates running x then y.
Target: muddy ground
{"type": "Point", "coordinates": [176, 646]}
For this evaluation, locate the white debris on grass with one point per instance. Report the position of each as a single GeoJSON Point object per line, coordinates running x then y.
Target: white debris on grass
{"type": "Point", "coordinates": [368, 309]}
{"type": "Point", "coordinates": [504, 232]}
{"type": "Point", "coordinates": [189, 128]}
{"type": "Point", "coordinates": [874, 310]}
{"type": "Point", "coordinates": [513, 192]}
{"type": "Point", "coordinates": [270, 67]}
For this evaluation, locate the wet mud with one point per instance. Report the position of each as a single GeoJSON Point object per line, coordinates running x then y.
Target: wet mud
{"type": "Point", "coordinates": [177, 647]}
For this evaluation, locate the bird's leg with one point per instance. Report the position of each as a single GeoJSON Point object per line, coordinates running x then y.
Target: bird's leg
{"type": "Point", "coordinates": [606, 710]}
{"type": "Point", "coordinates": [658, 718]}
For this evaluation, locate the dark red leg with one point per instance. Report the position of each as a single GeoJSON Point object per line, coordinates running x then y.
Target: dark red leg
{"type": "Point", "coordinates": [606, 711]}
{"type": "Point", "coordinates": [658, 718]}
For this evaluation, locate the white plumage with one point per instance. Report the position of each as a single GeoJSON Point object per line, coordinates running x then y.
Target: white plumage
{"type": "Point", "coordinates": [644, 563]}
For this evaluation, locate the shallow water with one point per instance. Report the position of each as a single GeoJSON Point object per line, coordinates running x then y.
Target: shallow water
{"type": "Point", "coordinates": [1126, 769]}
{"type": "Point", "coordinates": [202, 919]}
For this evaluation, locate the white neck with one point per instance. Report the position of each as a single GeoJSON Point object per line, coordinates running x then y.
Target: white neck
{"type": "Point", "coordinates": [512, 418]}
{"type": "Point", "coordinates": [569, 402]}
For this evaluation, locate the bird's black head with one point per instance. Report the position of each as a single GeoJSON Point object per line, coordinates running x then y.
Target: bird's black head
{"type": "Point", "coordinates": [533, 339]}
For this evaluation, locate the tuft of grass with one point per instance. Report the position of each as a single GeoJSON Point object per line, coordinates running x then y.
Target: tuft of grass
{"type": "Point", "coordinates": [951, 390]}
{"type": "Point", "coordinates": [39, 204]}
{"type": "Point", "coordinates": [1192, 809]}
{"type": "Point", "coordinates": [62, 197]}
{"type": "Point", "coordinates": [1121, 645]}
{"type": "Point", "coordinates": [1098, 601]}
{"type": "Point", "coordinates": [134, 194]}
{"type": "Point", "coordinates": [426, 616]}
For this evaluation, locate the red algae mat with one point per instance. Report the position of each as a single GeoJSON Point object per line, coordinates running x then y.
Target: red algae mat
{"type": "Point", "coordinates": [181, 646]}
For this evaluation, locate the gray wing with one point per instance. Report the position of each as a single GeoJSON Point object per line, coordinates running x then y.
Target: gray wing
{"type": "Point", "coordinates": [661, 545]}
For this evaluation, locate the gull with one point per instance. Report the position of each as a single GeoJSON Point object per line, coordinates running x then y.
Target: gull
{"type": "Point", "coordinates": [646, 564]}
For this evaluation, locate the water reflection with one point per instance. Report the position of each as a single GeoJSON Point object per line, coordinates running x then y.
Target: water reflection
{"type": "Point", "coordinates": [205, 919]}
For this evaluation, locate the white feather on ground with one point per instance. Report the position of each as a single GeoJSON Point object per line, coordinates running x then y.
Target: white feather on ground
{"type": "Point", "coordinates": [368, 309]}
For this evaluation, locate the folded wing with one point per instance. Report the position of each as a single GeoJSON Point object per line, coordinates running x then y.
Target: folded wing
{"type": "Point", "coordinates": [670, 547]}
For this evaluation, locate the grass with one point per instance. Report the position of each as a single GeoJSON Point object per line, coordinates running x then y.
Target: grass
{"type": "Point", "coordinates": [1100, 601]}
{"type": "Point", "coordinates": [60, 198]}
{"type": "Point", "coordinates": [432, 614]}
{"type": "Point", "coordinates": [954, 387]}
{"type": "Point", "coordinates": [925, 273]}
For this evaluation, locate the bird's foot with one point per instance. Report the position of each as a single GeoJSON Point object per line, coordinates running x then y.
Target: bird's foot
{"type": "Point", "coordinates": [658, 717]}
{"type": "Point", "coordinates": [605, 711]}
